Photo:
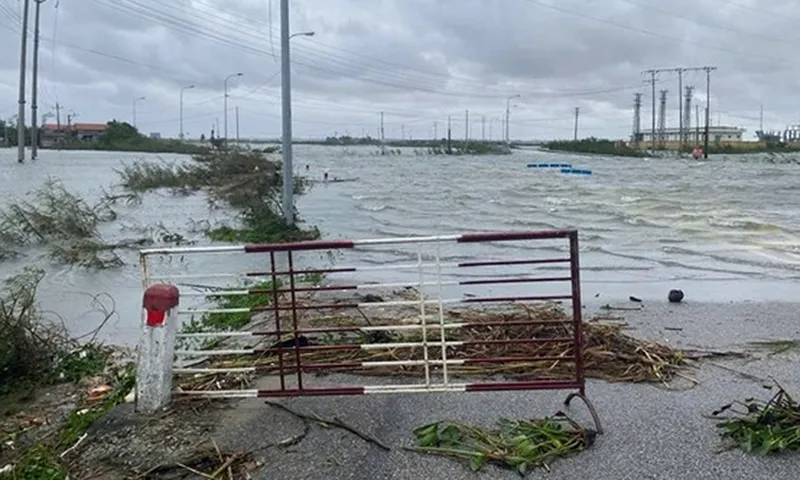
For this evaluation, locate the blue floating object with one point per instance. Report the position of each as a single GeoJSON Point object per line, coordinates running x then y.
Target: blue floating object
{"type": "Point", "coordinates": [576, 171]}
{"type": "Point", "coordinates": [533, 165]}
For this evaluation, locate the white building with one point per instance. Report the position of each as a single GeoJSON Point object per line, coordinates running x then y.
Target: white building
{"type": "Point", "coordinates": [716, 134]}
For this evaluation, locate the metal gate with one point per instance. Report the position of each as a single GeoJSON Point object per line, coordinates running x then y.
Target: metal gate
{"type": "Point", "coordinates": [455, 341]}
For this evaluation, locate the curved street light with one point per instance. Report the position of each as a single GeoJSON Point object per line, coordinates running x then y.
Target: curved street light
{"type": "Point", "coordinates": [134, 109]}
{"type": "Point", "coordinates": [286, 113]}
{"type": "Point", "coordinates": [225, 88]}
{"type": "Point", "coordinates": [508, 113]}
{"type": "Point", "coordinates": [187, 87]}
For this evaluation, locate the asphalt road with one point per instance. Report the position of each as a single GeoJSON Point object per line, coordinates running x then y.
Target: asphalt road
{"type": "Point", "coordinates": [651, 433]}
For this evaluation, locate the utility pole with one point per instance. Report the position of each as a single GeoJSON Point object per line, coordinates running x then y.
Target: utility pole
{"type": "Point", "coordinates": [662, 118]}
{"type": "Point", "coordinates": [286, 114]}
{"type": "Point", "coordinates": [402, 132]}
{"type": "Point", "coordinates": [466, 128]}
{"type": "Point", "coordinates": [575, 133]}
{"type": "Point", "coordinates": [58, 116]}
{"type": "Point", "coordinates": [483, 128]}
{"type": "Point", "coordinates": [687, 114]}
{"type": "Point", "coordinates": [761, 118]}
{"type": "Point", "coordinates": [383, 138]}
{"type": "Point", "coordinates": [652, 82]}
{"type": "Point", "coordinates": [134, 109]}
{"type": "Point", "coordinates": [34, 87]}
{"type": "Point", "coordinates": [225, 102]}
{"type": "Point", "coordinates": [708, 71]}
{"type": "Point", "coordinates": [181, 102]}
{"type": "Point", "coordinates": [508, 115]}
{"type": "Point", "coordinates": [680, 71]}
{"type": "Point", "coordinates": [681, 115]}
{"type": "Point", "coordinates": [237, 125]}
{"type": "Point", "coordinates": [435, 130]}
{"type": "Point", "coordinates": [697, 124]}
{"type": "Point", "coordinates": [22, 65]}
{"type": "Point", "coordinates": [449, 132]}
{"type": "Point", "coordinates": [637, 118]}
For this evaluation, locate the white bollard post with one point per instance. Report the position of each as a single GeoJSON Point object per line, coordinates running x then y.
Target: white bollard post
{"type": "Point", "coordinates": [156, 348]}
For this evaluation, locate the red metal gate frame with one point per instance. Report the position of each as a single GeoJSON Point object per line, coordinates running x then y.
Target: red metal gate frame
{"type": "Point", "coordinates": [288, 367]}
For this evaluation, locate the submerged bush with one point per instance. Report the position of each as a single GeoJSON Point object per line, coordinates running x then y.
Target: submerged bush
{"type": "Point", "coordinates": [245, 180]}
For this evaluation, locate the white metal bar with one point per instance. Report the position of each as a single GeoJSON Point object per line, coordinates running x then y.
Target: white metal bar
{"type": "Point", "coordinates": [189, 276]}
{"type": "Point", "coordinates": [449, 283]}
{"type": "Point", "coordinates": [179, 250]}
{"type": "Point", "coordinates": [213, 310]}
{"type": "Point", "coordinates": [220, 393]}
{"type": "Point", "coordinates": [374, 328]}
{"type": "Point", "coordinates": [423, 319]}
{"type": "Point", "coordinates": [410, 363]}
{"type": "Point", "coordinates": [389, 328]}
{"type": "Point", "coordinates": [392, 241]}
{"type": "Point", "coordinates": [216, 334]}
{"type": "Point", "coordinates": [415, 388]}
{"type": "Point", "coordinates": [368, 389]}
{"type": "Point", "coordinates": [206, 353]}
{"type": "Point", "coordinates": [396, 303]}
{"type": "Point", "coordinates": [442, 333]}
{"type": "Point", "coordinates": [225, 293]}
{"type": "Point", "coordinates": [214, 370]}
{"type": "Point", "coordinates": [377, 346]}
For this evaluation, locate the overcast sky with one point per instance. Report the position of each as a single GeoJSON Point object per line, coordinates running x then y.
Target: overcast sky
{"type": "Point", "coordinates": [418, 61]}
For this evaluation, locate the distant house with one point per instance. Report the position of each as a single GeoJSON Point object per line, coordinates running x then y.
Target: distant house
{"type": "Point", "coordinates": [53, 134]}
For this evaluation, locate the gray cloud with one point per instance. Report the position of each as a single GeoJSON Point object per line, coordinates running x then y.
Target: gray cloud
{"type": "Point", "coordinates": [418, 61]}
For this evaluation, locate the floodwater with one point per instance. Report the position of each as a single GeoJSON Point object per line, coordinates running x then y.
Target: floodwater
{"type": "Point", "coordinates": [722, 230]}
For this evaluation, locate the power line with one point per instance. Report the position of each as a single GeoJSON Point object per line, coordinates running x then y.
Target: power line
{"type": "Point", "coordinates": [320, 62]}
{"type": "Point", "coordinates": [662, 36]}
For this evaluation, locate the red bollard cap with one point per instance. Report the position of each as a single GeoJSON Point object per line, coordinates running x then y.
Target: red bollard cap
{"type": "Point", "coordinates": [158, 300]}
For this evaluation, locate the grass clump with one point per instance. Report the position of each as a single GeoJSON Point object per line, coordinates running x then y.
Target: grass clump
{"type": "Point", "coordinates": [122, 379]}
{"type": "Point", "coordinates": [520, 445]}
{"type": "Point", "coordinates": [37, 463]}
{"type": "Point", "coordinates": [764, 427]}
{"type": "Point", "coordinates": [245, 180]}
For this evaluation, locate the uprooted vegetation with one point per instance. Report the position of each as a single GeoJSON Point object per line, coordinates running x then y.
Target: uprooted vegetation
{"type": "Point", "coordinates": [520, 445]}
{"type": "Point", "coordinates": [247, 181]}
{"type": "Point", "coordinates": [763, 427]}
{"type": "Point", "coordinates": [52, 387]}
{"type": "Point", "coordinates": [66, 226]}
{"type": "Point", "coordinates": [609, 353]}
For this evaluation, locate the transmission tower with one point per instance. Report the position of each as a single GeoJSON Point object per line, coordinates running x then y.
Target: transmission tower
{"type": "Point", "coordinates": [662, 117]}
{"type": "Point", "coordinates": [637, 119]}
{"type": "Point", "coordinates": [687, 114]}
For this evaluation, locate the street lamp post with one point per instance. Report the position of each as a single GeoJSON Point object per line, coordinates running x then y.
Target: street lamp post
{"type": "Point", "coordinates": [508, 113]}
{"type": "Point", "coordinates": [225, 136]}
{"type": "Point", "coordinates": [286, 114]}
{"type": "Point", "coordinates": [182, 89]}
{"type": "Point", "coordinates": [134, 109]}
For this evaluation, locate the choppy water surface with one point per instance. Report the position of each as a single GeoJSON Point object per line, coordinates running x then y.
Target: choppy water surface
{"type": "Point", "coordinates": [722, 230]}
